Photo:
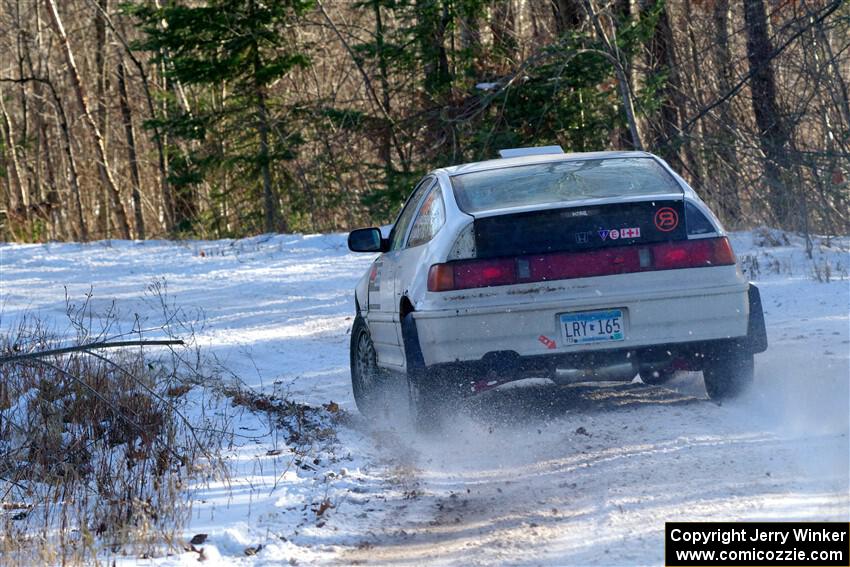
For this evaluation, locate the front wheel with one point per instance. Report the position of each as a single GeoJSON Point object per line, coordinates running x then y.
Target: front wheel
{"type": "Point", "coordinates": [367, 379]}
{"type": "Point", "coordinates": [727, 375]}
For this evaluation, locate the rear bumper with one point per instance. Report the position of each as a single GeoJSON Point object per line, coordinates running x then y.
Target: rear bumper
{"type": "Point", "coordinates": [531, 331]}
{"type": "Point", "coordinates": [503, 367]}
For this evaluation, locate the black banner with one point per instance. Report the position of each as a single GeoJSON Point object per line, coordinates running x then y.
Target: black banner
{"type": "Point", "coordinates": [762, 544]}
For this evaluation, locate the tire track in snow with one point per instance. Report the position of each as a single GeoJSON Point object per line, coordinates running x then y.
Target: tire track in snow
{"type": "Point", "coordinates": [588, 475]}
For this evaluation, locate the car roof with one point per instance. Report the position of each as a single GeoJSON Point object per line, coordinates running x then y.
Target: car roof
{"type": "Point", "coordinates": [535, 159]}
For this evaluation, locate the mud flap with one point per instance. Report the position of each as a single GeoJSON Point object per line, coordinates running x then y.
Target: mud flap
{"type": "Point", "coordinates": [434, 392]}
{"type": "Point", "coordinates": [420, 386]}
{"type": "Point", "coordinates": [756, 332]}
{"type": "Point", "coordinates": [413, 357]}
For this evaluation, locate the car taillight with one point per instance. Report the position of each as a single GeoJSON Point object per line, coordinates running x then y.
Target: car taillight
{"type": "Point", "coordinates": [465, 275]}
{"type": "Point", "coordinates": [723, 253]}
{"type": "Point", "coordinates": [468, 274]}
{"type": "Point", "coordinates": [441, 277]}
{"type": "Point", "coordinates": [693, 254]}
{"type": "Point", "coordinates": [485, 273]}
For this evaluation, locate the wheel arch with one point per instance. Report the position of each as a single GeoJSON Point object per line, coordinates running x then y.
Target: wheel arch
{"type": "Point", "coordinates": [405, 307]}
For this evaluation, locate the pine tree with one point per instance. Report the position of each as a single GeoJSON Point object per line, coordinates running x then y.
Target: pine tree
{"type": "Point", "coordinates": [240, 47]}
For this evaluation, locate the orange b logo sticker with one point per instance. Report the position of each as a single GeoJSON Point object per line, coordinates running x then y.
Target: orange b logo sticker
{"type": "Point", "coordinates": [666, 219]}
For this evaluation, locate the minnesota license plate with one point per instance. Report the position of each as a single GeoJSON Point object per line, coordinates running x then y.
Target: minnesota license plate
{"type": "Point", "coordinates": [592, 326]}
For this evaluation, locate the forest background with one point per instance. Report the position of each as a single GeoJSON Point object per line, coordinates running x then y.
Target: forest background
{"type": "Point", "coordinates": [225, 118]}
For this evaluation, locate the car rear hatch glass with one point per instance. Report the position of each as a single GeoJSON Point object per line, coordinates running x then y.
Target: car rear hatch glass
{"type": "Point", "coordinates": [561, 183]}
{"type": "Point", "coordinates": [580, 228]}
{"type": "Point", "coordinates": [523, 238]}
{"type": "Point", "coordinates": [580, 242]}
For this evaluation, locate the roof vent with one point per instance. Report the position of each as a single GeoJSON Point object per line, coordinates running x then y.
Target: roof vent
{"type": "Point", "coordinates": [538, 151]}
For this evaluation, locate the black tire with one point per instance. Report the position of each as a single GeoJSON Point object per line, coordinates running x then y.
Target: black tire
{"type": "Point", "coordinates": [424, 401]}
{"type": "Point", "coordinates": [434, 396]}
{"type": "Point", "coordinates": [367, 379]}
{"type": "Point", "coordinates": [657, 377]}
{"type": "Point", "coordinates": [433, 393]}
{"type": "Point", "coordinates": [729, 374]}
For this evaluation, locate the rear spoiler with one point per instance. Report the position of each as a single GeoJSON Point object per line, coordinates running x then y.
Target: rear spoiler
{"type": "Point", "coordinates": [534, 151]}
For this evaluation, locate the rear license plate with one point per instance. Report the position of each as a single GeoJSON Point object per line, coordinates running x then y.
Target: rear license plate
{"type": "Point", "coordinates": [592, 326]}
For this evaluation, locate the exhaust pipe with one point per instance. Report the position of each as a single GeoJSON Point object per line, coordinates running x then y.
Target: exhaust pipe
{"type": "Point", "coordinates": [622, 372]}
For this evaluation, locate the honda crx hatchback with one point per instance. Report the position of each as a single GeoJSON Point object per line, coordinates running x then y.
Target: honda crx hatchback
{"type": "Point", "coordinates": [576, 267]}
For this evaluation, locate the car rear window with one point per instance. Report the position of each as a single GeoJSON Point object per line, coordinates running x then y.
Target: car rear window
{"type": "Point", "coordinates": [560, 182]}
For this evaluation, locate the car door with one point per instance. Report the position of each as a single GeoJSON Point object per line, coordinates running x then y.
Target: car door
{"type": "Point", "coordinates": [410, 260]}
{"type": "Point", "coordinates": [383, 313]}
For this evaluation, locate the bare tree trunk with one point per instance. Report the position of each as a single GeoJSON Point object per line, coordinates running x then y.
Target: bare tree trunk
{"type": "Point", "coordinates": [538, 14]}
{"type": "Point", "coordinates": [625, 11]}
{"type": "Point", "coordinates": [102, 197]}
{"type": "Point", "coordinates": [773, 133]}
{"type": "Point", "coordinates": [568, 15]}
{"type": "Point", "coordinates": [269, 197]}
{"type": "Point", "coordinates": [667, 141]}
{"type": "Point", "coordinates": [53, 197]}
{"type": "Point", "coordinates": [385, 149]}
{"type": "Point", "coordinates": [5, 198]}
{"type": "Point", "coordinates": [44, 93]}
{"type": "Point", "coordinates": [693, 146]}
{"type": "Point", "coordinates": [19, 201]}
{"type": "Point", "coordinates": [838, 80]}
{"type": "Point", "coordinates": [49, 189]}
{"type": "Point", "coordinates": [166, 196]}
{"type": "Point", "coordinates": [432, 21]}
{"type": "Point", "coordinates": [24, 123]}
{"type": "Point", "coordinates": [729, 198]}
{"type": "Point", "coordinates": [470, 35]}
{"type": "Point", "coordinates": [73, 177]}
{"type": "Point", "coordinates": [127, 118]}
{"type": "Point", "coordinates": [503, 29]}
{"type": "Point", "coordinates": [103, 163]}
{"type": "Point", "coordinates": [615, 57]}
{"type": "Point", "coordinates": [404, 159]}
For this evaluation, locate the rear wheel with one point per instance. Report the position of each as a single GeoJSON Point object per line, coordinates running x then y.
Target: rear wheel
{"type": "Point", "coordinates": [367, 379]}
{"type": "Point", "coordinates": [728, 374]}
{"type": "Point", "coordinates": [424, 399]}
{"type": "Point", "coordinates": [433, 395]}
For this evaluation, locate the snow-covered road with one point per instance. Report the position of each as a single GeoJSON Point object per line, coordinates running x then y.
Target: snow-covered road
{"type": "Point", "coordinates": [529, 473]}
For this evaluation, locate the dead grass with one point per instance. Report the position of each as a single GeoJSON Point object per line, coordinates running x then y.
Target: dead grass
{"type": "Point", "coordinates": [96, 454]}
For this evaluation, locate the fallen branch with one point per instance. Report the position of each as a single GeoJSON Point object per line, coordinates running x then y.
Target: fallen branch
{"type": "Point", "coordinates": [87, 347]}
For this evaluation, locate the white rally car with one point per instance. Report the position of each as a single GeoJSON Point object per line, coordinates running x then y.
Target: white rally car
{"type": "Point", "coordinates": [576, 267]}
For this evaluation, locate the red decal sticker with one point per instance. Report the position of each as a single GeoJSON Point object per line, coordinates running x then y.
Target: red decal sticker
{"type": "Point", "coordinates": [666, 219]}
{"type": "Point", "coordinates": [614, 234]}
{"type": "Point", "coordinates": [630, 233]}
{"type": "Point", "coordinates": [547, 341]}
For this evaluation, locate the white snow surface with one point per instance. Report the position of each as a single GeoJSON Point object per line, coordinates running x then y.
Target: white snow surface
{"type": "Point", "coordinates": [531, 474]}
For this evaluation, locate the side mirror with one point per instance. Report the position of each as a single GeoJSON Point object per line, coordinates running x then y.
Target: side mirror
{"type": "Point", "coordinates": [366, 240]}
